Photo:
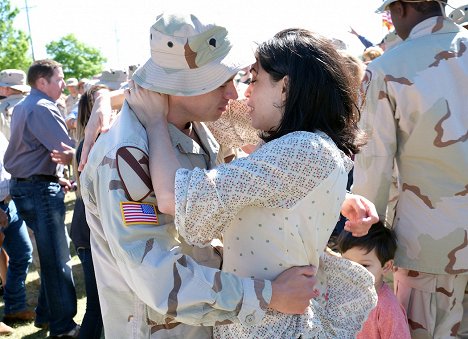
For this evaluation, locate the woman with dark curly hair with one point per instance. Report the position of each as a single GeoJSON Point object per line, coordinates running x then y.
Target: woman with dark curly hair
{"type": "Point", "coordinates": [277, 207]}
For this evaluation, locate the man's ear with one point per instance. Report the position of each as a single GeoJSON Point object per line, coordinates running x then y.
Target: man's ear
{"type": "Point", "coordinates": [398, 9]}
{"type": "Point", "coordinates": [41, 82]}
{"type": "Point", "coordinates": [388, 266]}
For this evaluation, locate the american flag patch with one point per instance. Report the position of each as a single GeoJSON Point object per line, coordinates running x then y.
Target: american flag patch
{"type": "Point", "coordinates": [135, 213]}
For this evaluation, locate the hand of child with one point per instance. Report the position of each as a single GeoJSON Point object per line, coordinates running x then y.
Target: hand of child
{"type": "Point", "coordinates": [361, 214]}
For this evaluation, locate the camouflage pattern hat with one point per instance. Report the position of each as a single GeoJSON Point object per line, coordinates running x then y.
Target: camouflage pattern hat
{"type": "Point", "coordinates": [14, 78]}
{"type": "Point", "coordinates": [71, 82]}
{"type": "Point", "coordinates": [190, 57]}
{"type": "Point", "coordinates": [113, 78]}
{"type": "Point", "coordinates": [460, 15]}
{"type": "Point", "coordinates": [387, 3]}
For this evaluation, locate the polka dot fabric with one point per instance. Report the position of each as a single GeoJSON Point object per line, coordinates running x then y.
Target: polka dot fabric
{"type": "Point", "coordinates": [276, 176]}
{"type": "Point", "coordinates": [347, 297]}
{"type": "Point", "coordinates": [274, 209]}
{"type": "Point", "coordinates": [234, 128]}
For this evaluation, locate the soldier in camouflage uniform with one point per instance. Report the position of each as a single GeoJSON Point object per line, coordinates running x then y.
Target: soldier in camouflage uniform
{"type": "Point", "coordinates": [415, 113]}
{"type": "Point", "coordinates": [148, 280]}
{"type": "Point", "coordinates": [13, 87]}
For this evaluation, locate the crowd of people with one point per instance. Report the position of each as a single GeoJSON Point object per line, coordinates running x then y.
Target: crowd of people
{"type": "Point", "coordinates": [223, 194]}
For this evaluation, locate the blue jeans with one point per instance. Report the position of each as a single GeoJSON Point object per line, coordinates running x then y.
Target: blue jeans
{"type": "Point", "coordinates": [19, 248]}
{"type": "Point", "coordinates": [41, 205]}
{"type": "Point", "coordinates": [91, 326]}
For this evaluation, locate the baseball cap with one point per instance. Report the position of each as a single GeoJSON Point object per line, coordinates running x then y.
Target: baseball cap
{"type": "Point", "coordinates": [14, 78]}
{"type": "Point", "coordinates": [190, 57]}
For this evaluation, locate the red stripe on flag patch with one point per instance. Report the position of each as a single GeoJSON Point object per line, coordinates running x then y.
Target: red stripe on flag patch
{"type": "Point", "coordinates": [135, 213]}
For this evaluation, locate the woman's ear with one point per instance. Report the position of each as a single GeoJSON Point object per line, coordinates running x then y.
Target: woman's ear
{"type": "Point", "coordinates": [284, 90]}
{"type": "Point", "coordinates": [388, 266]}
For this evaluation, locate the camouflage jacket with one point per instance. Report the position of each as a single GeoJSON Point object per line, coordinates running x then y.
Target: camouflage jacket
{"type": "Point", "coordinates": [415, 112]}
{"type": "Point", "coordinates": [6, 110]}
{"type": "Point", "coordinates": [147, 281]}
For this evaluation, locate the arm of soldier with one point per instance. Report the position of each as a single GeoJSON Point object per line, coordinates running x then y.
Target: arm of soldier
{"type": "Point", "coordinates": [373, 166]}
{"type": "Point", "coordinates": [186, 291]}
{"type": "Point", "coordinates": [100, 120]}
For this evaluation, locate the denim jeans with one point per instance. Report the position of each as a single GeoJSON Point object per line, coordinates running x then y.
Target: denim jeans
{"type": "Point", "coordinates": [19, 248]}
{"type": "Point", "coordinates": [41, 205]}
{"type": "Point", "coordinates": [91, 326]}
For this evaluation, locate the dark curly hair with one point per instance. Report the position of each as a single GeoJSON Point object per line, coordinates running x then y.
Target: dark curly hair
{"type": "Point", "coordinates": [381, 238]}
{"type": "Point", "coordinates": [320, 93]}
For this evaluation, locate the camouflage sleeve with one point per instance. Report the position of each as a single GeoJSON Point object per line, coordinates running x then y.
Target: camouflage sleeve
{"type": "Point", "coordinates": [143, 259]}
{"type": "Point", "coordinates": [373, 167]}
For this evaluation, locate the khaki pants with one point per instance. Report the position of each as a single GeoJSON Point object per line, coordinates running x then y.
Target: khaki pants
{"type": "Point", "coordinates": [436, 304]}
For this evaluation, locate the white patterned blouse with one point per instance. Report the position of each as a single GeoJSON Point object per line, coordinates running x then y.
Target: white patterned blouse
{"type": "Point", "coordinates": [274, 209]}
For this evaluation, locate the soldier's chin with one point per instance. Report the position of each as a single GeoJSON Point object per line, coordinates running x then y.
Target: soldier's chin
{"type": "Point", "coordinates": [215, 116]}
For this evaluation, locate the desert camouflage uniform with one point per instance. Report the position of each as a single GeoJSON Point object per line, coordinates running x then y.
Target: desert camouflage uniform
{"type": "Point", "coordinates": [6, 110]}
{"type": "Point", "coordinates": [70, 102]}
{"type": "Point", "coordinates": [146, 282]}
{"type": "Point", "coordinates": [416, 113]}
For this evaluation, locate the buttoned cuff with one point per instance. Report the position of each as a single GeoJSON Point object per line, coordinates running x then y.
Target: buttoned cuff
{"type": "Point", "coordinates": [257, 296]}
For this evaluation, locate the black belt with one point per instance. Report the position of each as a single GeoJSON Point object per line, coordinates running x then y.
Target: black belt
{"type": "Point", "coordinates": [39, 177]}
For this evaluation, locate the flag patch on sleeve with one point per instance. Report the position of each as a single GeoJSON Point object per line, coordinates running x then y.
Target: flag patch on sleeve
{"type": "Point", "coordinates": [136, 213]}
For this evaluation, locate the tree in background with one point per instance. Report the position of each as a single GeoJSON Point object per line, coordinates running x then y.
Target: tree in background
{"type": "Point", "coordinates": [13, 43]}
{"type": "Point", "coordinates": [78, 60]}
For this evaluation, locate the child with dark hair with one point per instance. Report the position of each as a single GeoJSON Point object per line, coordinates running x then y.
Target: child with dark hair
{"type": "Point", "coordinates": [375, 251]}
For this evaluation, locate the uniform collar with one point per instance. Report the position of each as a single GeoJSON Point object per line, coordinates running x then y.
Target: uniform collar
{"type": "Point", "coordinates": [433, 25]}
{"type": "Point", "coordinates": [187, 145]}
{"type": "Point", "coordinates": [15, 96]}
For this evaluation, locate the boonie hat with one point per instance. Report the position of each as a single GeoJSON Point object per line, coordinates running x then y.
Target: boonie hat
{"type": "Point", "coordinates": [113, 78]}
{"type": "Point", "coordinates": [14, 78]}
{"type": "Point", "coordinates": [384, 6]}
{"type": "Point", "coordinates": [460, 15]}
{"type": "Point", "coordinates": [71, 82]}
{"type": "Point", "coordinates": [190, 57]}
{"type": "Point", "coordinates": [387, 3]}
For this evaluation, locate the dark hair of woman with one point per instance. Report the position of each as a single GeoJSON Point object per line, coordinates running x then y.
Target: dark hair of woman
{"type": "Point", "coordinates": [85, 107]}
{"type": "Point", "coordinates": [320, 94]}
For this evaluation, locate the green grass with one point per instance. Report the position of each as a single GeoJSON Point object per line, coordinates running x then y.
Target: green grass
{"type": "Point", "coordinates": [27, 330]}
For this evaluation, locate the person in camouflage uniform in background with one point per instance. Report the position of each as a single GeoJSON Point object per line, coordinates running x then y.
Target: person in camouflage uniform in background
{"type": "Point", "coordinates": [13, 87]}
{"type": "Point", "coordinates": [415, 112]}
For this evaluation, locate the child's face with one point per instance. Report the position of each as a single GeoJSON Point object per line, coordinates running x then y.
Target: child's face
{"type": "Point", "coordinates": [369, 261]}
